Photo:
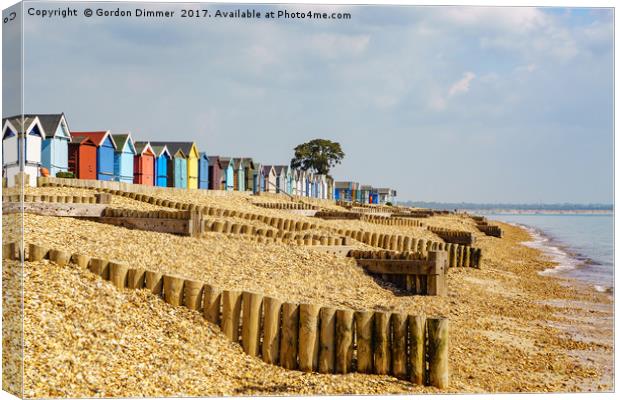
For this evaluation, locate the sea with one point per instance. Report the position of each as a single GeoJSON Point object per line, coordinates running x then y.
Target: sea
{"type": "Point", "coordinates": [581, 244]}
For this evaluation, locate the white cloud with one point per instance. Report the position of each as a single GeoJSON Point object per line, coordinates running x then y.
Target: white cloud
{"type": "Point", "coordinates": [462, 85]}
{"type": "Point", "coordinates": [513, 19]}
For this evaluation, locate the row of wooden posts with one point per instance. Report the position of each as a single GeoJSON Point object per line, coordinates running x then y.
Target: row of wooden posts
{"type": "Point", "coordinates": [454, 236]}
{"type": "Point", "coordinates": [458, 255]}
{"type": "Point", "coordinates": [98, 198]}
{"type": "Point", "coordinates": [391, 221]}
{"type": "Point", "coordinates": [305, 337]}
{"type": "Point", "coordinates": [286, 206]}
{"type": "Point", "coordinates": [308, 239]}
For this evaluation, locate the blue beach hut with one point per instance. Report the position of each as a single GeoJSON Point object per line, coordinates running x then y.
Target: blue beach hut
{"type": "Point", "coordinates": [203, 171]}
{"type": "Point", "coordinates": [123, 157]}
{"type": "Point", "coordinates": [160, 165]}
{"type": "Point", "coordinates": [228, 173]}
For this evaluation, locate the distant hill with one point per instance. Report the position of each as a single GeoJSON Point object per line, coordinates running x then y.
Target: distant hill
{"type": "Point", "coordinates": [508, 206]}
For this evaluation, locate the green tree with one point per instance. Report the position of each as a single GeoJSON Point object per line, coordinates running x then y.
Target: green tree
{"type": "Point", "coordinates": [319, 155]}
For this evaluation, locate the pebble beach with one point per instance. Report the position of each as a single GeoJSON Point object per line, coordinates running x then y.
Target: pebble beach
{"type": "Point", "coordinates": [511, 328]}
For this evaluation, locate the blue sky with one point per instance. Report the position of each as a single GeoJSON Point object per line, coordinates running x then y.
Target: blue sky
{"type": "Point", "coordinates": [442, 103]}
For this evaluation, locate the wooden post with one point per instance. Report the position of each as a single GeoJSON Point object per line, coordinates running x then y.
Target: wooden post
{"type": "Point", "coordinates": [192, 294]}
{"type": "Point", "coordinates": [438, 352]}
{"type": "Point", "coordinates": [364, 329]}
{"type": "Point", "coordinates": [466, 256]}
{"type": "Point", "coordinates": [81, 260]}
{"type": "Point", "coordinates": [36, 252]}
{"type": "Point", "coordinates": [271, 330]}
{"type": "Point", "coordinates": [436, 281]}
{"type": "Point", "coordinates": [173, 290]}
{"type": "Point", "coordinates": [99, 266]}
{"type": "Point", "coordinates": [154, 281]}
{"type": "Point", "coordinates": [231, 311]}
{"type": "Point", "coordinates": [290, 335]}
{"type": "Point", "coordinates": [308, 337]}
{"type": "Point", "coordinates": [212, 298]}
{"type": "Point", "coordinates": [344, 341]}
{"type": "Point", "coordinates": [327, 340]}
{"type": "Point", "coordinates": [478, 258]}
{"type": "Point", "coordinates": [8, 251]}
{"type": "Point", "coordinates": [453, 256]}
{"type": "Point", "coordinates": [59, 257]}
{"type": "Point", "coordinates": [399, 345]}
{"type": "Point", "coordinates": [250, 332]}
{"type": "Point", "coordinates": [118, 275]}
{"type": "Point", "coordinates": [382, 343]}
{"type": "Point", "coordinates": [417, 350]}
{"type": "Point", "coordinates": [135, 278]}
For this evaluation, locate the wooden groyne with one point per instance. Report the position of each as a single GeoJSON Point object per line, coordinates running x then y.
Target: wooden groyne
{"type": "Point", "coordinates": [415, 273]}
{"type": "Point", "coordinates": [453, 236]}
{"type": "Point", "coordinates": [483, 226]}
{"type": "Point", "coordinates": [305, 337]}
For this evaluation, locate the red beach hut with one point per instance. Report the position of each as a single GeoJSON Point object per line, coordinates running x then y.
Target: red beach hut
{"type": "Point", "coordinates": [143, 164]}
{"type": "Point", "coordinates": [83, 157]}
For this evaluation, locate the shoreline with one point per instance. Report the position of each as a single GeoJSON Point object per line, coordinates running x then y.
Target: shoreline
{"type": "Point", "coordinates": [586, 320]}
{"type": "Point", "coordinates": [563, 255]}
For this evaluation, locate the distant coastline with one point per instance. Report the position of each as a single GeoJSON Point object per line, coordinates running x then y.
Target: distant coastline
{"type": "Point", "coordinates": [538, 211]}
{"type": "Point", "coordinates": [507, 208]}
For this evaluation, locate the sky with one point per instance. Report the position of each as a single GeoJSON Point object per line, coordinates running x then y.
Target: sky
{"type": "Point", "coordinates": [473, 104]}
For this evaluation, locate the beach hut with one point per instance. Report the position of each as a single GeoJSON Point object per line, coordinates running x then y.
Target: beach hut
{"type": "Point", "coordinates": [330, 187]}
{"type": "Point", "coordinates": [385, 195]}
{"type": "Point", "coordinates": [290, 180]}
{"type": "Point", "coordinates": [258, 180]}
{"type": "Point", "coordinates": [215, 173]}
{"type": "Point", "coordinates": [281, 178]}
{"type": "Point", "coordinates": [269, 179]}
{"type": "Point", "coordinates": [82, 160]}
{"type": "Point", "coordinates": [22, 138]}
{"type": "Point", "coordinates": [300, 179]}
{"type": "Point", "coordinates": [238, 174]}
{"type": "Point", "coordinates": [177, 170]}
{"type": "Point", "coordinates": [365, 191]}
{"type": "Point", "coordinates": [160, 165]}
{"type": "Point", "coordinates": [190, 152]}
{"type": "Point", "coordinates": [105, 153]}
{"type": "Point", "coordinates": [55, 146]}
{"type": "Point", "coordinates": [203, 171]}
{"type": "Point", "coordinates": [344, 190]}
{"type": "Point", "coordinates": [249, 174]}
{"type": "Point", "coordinates": [123, 157]}
{"type": "Point", "coordinates": [228, 173]}
{"type": "Point", "coordinates": [143, 164]}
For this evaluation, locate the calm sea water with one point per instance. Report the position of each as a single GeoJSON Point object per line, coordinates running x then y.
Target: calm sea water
{"type": "Point", "coordinates": [583, 244]}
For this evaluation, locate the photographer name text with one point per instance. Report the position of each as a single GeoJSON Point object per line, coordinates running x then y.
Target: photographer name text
{"type": "Point", "coordinates": [70, 12]}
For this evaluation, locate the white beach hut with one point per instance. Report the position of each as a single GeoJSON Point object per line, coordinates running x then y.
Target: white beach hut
{"type": "Point", "coordinates": [21, 148]}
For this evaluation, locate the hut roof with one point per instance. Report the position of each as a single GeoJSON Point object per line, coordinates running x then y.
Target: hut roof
{"type": "Point", "coordinates": [82, 140]}
{"type": "Point", "coordinates": [20, 125]}
{"type": "Point", "coordinates": [224, 162]}
{"type": "Point", "coordinates": [174, 147]}
{"type": "Point", "coordinates": [213, 160]}
{"type": "Point", "coordinates": [142, 147]}
{"type": "Point", "coordinates": [98, 137]}
{"type": "Point", "coordinates": [160, 150]}
{"type": "Point", "coordinates": [50, 122]}
{"type": "Point", "coordinates": [121, 139]}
